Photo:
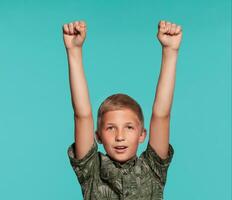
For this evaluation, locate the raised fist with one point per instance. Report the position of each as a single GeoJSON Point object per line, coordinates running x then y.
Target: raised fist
{"type": "Point", "coordinates": [169, 35]}
{"type": "Point", "coordinates": [74, 34]}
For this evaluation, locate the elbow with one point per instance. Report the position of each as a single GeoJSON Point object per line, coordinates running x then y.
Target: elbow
{"type": "Point", "coordinates": [161, 114]}
{"type": "Point", "coordinates": [83, 115]}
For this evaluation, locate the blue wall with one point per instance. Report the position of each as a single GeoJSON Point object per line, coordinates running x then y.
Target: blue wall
{"type": "Point", "coordinates": [121, 54]}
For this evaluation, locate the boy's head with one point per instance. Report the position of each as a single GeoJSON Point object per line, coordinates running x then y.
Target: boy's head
{"type": "Point", "coordinates": [120, 126]}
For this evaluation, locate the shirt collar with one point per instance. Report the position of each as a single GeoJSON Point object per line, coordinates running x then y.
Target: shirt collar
{"type": "Point", "coordinates": [126, 165]}
{"type": "Point", "coordinates": [111, 171]}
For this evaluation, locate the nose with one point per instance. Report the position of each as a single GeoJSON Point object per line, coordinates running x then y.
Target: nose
{"type": "Point", "coordinates": [119, 136]}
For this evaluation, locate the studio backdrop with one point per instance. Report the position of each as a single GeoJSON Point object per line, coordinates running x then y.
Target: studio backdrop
{"type": "Point", "coordinates": [121, 54]}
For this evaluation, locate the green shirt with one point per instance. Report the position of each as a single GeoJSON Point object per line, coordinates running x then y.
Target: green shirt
{"type": "Point", "coordinates": [140, 178]}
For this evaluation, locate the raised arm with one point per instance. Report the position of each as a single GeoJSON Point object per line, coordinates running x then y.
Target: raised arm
{"type": "Point", "coordinates": [169, 36]}
{"type": "Point", "coordinates": [74, 34]}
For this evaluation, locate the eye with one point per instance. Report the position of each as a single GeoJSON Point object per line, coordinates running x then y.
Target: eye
{"type": "Point", "coordinates": [130, 127]}
{"type": "Point", "coordinates": [109, 128]}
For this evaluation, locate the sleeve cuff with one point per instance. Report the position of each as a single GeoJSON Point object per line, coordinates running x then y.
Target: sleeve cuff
{"type": "Point", "coordinates": [76, 161]}
{"type": "Point", "coordinates": [161, 161]}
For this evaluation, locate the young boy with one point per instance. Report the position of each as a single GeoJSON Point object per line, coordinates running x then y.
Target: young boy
{"type": "Point", "coordinates": [120, 174]}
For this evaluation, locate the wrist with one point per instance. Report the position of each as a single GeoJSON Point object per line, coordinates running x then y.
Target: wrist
{"type": "Point", "coordinates": [170, 51]}
{"type": "Point", "coordinates": [74, 51]}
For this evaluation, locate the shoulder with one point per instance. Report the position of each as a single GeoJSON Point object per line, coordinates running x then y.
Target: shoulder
{"type": "Point", "coordinates": [86, 167]}
{"type": "Point", "coordinates": [90, 155]}
{"type": "Point", "coordinates": [157, 166]}
{"type": "Point", "coordinates": [150, 155]}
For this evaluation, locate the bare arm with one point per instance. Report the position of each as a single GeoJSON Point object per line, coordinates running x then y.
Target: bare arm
{"type": "Point", "coordinates": [170, 37]}
{"type": "Point", "coordinates": [74, 35]}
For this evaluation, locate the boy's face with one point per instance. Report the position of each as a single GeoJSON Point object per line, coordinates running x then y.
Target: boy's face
{"type": "Point", "coordinates": [121, 133]}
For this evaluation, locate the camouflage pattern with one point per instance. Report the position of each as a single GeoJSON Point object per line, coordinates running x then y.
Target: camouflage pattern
{"type": "Point", "coordinates": [140, 178]}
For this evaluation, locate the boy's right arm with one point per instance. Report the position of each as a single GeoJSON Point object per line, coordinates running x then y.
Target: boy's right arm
{"type": "Point", "coordinates": [74, 34]}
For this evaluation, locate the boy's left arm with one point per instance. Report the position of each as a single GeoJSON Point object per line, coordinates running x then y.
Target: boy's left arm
{"type": "Point", "coordinates": [169, 35]}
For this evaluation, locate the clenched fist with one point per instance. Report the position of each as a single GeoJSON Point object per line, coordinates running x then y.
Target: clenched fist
{"type": "Point", "coordinates": [74, 34]}
{"type": "Point", "coordinates": [169, 35]}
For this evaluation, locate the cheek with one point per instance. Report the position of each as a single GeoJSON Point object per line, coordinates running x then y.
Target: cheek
{"type": "Point", "coordinates": [107, 137]}
{"type": "Point", "coordinates": [133, 138]}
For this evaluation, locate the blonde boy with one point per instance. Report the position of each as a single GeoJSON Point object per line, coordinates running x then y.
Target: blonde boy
{"type": "Point", "coordinates": [120, 174]}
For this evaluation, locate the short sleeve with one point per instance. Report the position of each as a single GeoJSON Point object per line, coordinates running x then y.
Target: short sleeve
{"type": "Point", "coordinates": [83, 167]}
{"type": "Point", "coordinates": [156, 163]}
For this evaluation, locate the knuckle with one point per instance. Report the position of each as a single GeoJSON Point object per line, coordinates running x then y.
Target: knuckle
{"type": "Point", "coordinates": [65, 27]}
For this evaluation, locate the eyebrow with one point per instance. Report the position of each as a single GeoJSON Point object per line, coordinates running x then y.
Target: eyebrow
{"type": "Point", "coordinates": [114, 123]}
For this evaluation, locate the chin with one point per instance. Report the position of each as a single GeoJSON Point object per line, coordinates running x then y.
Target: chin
{"type": "Point", "coordinates": [121, 158]}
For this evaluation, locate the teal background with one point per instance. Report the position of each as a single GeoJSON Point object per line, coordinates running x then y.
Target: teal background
{"type": "Point", "coordinates": [121, 54]}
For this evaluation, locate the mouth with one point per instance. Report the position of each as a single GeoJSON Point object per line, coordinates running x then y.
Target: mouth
{"type": "Point", "coordinates": [120, 149]}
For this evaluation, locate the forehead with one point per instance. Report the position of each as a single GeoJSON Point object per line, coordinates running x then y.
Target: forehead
{"type": "Point", "coordinates": [121, 116]}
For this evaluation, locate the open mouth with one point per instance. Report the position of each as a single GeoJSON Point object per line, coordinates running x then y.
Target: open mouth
{"type": "Point", "coordinates": [120, 149]}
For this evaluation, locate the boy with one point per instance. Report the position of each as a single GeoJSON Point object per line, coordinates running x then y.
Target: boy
{"type": "Point", "coordinates": [120, 174]}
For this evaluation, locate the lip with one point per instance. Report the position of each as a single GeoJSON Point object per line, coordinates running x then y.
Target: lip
{"type": "Point", "coordinates": [120, 150]}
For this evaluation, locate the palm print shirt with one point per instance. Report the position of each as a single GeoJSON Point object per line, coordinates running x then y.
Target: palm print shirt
{"type": "Point", "coordinates": [140, 178]}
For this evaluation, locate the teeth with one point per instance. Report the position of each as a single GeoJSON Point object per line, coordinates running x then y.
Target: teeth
{"type": "Point", "coordinates": [120, 147]}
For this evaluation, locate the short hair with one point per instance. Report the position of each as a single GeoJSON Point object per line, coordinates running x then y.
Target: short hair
{"type": "Point", "coordinates": [118, 102]}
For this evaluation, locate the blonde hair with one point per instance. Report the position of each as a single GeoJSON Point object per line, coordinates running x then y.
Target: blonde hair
{"type": "Point", "coordinates": [117, 102]}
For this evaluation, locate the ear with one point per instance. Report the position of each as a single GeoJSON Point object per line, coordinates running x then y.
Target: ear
{"type": "Point", "coordinates": [98, 137]}
{"type": "Point", "coordinates": [142, 136]}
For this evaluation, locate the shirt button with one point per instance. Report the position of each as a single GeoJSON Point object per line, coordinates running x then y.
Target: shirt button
{"type": "Point", "coordinates": [126, 193]}
{"type": "Point", "coordinates": [124, 173]}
